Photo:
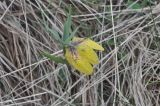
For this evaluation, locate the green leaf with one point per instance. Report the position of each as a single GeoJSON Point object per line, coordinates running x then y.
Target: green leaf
{"type": "Point", "coordinates": [111, 42]}
{"type": "Point", "coordinates": [54, 58]}
{"type": "Point", "coordinates": [55, 35]}
{"type": "Point", "coordinates": [67, 26]}
{"type": "Point", "coordinates": [62, 77]}
{"type": "Point", "coordinates": [71, 36]}
{"type": "Point", "coordinates": [133, 5]}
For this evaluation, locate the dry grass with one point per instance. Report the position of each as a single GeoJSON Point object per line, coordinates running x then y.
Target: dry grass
{"type": "Point", "coordinates": [128, 73]}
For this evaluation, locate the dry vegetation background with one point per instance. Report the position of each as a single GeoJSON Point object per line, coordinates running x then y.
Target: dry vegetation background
{"type": "Point", "coordinates": [129, 70]}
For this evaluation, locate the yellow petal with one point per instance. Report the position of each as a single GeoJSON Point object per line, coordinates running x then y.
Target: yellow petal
{"type": "Point", "coordinates": [88, 53]}
{"type": "Point", "coordinates": [89, 43]}
{"type": "Point", "coordinates": [75, 39]}
{"type": "Point", "coordinates": [93, 44]}
{"type": "Point", "coordinates": [79, 63]}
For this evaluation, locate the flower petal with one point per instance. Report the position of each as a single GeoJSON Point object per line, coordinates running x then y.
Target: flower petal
{"type": "Point", "coordinates": [93, 44]}
{"type": "Point", "coordinates": [79, 63]}
{"type": "Point", "coordinates": [75, 39]}
{"type": "Point", "coordinates": [88, 53]}
{"type": "Point", "coordinates": [89, 43]}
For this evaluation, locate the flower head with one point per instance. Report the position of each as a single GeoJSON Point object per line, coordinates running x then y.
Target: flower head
{"type": "Point", "coordinates": [81, 55]}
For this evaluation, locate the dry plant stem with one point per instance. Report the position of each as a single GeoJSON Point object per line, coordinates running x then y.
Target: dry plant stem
{"type": "Point", "coordinates": [128, 71]}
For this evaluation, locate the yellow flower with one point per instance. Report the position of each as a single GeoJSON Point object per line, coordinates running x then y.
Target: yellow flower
{"type": "Point", "coordinates": [81, 56]}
